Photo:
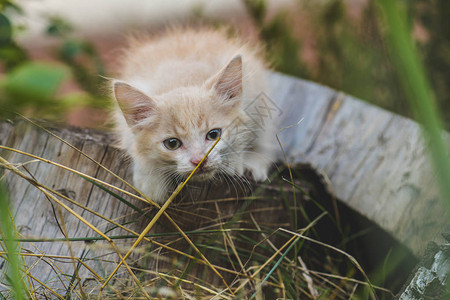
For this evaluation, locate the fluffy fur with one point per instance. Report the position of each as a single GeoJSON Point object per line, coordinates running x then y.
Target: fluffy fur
{"type": "Point", "coordinates": [182, 85]}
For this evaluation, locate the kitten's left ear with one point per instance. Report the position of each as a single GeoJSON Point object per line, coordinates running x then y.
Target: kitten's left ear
{"type": "Point", "coordinates": [228, 83]}
{"type": "Point", "coordinates": [135, 105]}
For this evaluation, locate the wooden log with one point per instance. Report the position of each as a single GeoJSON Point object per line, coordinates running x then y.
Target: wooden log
{"type": "Point", "coordinates": [36, 215]}
{"type": "Point", "coordinates": [375, 162]}
{"type": "Point", "coordinates": [39, 216]}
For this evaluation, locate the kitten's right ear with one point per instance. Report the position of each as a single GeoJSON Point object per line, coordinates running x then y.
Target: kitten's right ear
{"type": "Point", "coordinates": [135, 105]}
{"type": "Point", "coordinates": [228, 82]}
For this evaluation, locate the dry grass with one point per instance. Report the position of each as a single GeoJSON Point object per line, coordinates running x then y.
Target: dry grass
{"type": "Point", "coordinates": [246, 247]}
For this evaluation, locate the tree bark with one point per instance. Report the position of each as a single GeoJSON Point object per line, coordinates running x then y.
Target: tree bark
{"type": "Point", "coordinates": [376, 161]}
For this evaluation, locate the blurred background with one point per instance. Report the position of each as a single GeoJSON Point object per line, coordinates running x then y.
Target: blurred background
{"type": "Point", "coordinates": [54, 54]}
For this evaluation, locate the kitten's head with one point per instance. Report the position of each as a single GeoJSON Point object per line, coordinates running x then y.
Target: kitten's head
{"type": "Point", "coordinates": [172, 132]}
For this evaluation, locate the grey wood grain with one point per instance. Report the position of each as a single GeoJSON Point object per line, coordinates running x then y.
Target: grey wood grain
{"type": "Point", "coordinates": [376, 161]}
{"type": "Point", "coordinates": [36, 216]}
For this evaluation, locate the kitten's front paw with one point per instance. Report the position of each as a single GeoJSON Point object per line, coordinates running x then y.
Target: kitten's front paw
{"type": "Point", "coordinates": [257, 166]}
{"type": "Point", "coordinates": [259, 173]}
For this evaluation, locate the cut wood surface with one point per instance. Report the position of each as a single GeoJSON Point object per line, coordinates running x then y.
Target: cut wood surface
{"type": "Point", "coordinates": [375, 161]}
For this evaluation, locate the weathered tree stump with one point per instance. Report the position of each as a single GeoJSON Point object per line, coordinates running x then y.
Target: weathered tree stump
{"type": "Point", "coordinates": [38, 216]}
{"type": "Point", "coordinates": [430, 278]}
{"type": "Point", "coordinates": [375, 162]}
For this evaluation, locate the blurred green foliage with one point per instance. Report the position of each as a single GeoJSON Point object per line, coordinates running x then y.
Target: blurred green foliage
{"type": "Point", "coordinates": [434, 16]}
{"type": "Point", "coordinates": [282, 46]}
{"type": "Point", "coordinates": [79, 55]}
{"type": "Point", "coordinates": [32, 87]}
{"type": "Point", "coordinates": [351, 53]}
{"type": "Point", "coordinates": [11, 54]}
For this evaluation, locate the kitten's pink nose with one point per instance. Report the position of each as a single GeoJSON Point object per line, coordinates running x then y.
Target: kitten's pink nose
{"type": "Point", "coordinates": [196, 161]}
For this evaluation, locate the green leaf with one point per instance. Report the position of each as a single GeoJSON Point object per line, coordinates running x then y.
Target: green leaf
{"type": "Point", "coordinates": [39, 81]}
{"type": "Point", "coordinates": [5, 30]}
{"type": "Point", "coordinates": [12, 55]}
{"type": "Point", "coordinates": [9, 5]}
{"type": "Point", "coordinates": [58, 27]}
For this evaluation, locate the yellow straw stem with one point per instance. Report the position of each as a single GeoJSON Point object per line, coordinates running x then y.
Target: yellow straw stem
{"type": "Point", "coordinates": [11, 167]}
{"type": "Point", "coordinates": [145, 199]}
{"type": "Point", "coordinates": [158, 215]}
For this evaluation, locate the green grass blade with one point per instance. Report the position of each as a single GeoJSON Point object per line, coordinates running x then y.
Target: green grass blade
{"type": "Point", "coordinates": [417, 88]}
{"type": "Point", "coordinates": [7, 230]}
{"type": "Point", "coordinates": [277, 264]}
{"type": "Point", "coordinates": [129, 204]}
{"type": "Point", "coordinates": [73, 278]}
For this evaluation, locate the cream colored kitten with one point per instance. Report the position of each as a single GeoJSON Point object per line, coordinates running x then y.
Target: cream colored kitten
{"type": "Point", "coordinates": [178, 93]}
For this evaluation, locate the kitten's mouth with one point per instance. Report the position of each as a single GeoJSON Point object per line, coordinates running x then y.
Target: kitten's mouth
{"type": "Point", "coordinates": [203, 174]}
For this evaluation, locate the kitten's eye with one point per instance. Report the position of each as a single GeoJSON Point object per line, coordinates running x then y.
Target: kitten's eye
{"type": "Point", "coordinates": [172, 143]}
{"type": "Point", "coordinates": [213, 134]}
